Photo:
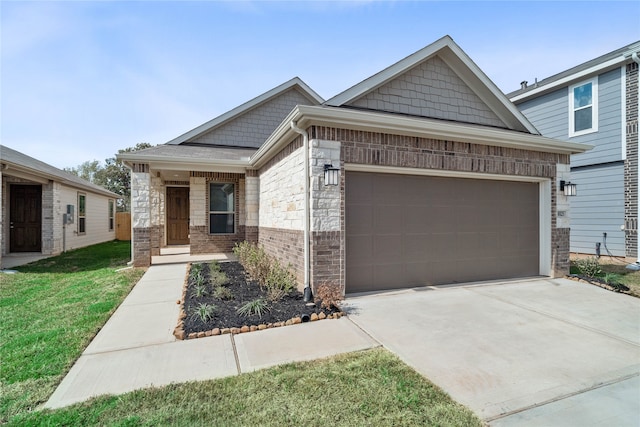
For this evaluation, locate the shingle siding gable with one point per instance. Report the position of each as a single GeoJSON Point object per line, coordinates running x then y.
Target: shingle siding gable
{"type": "Point", "coordinates": [254, 127]}
{"type": "Point", "coordinates": [431, 89]}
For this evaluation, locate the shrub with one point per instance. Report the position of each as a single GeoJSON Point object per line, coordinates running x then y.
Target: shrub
{"type": "Point", "coordinates": [214, 266]}
{"type": "Point", "coordinates": [330, 294]}
{"type": "Point", "coordinates": [612, 278]}
{"type": "Point", "coordinates": [200, 289]}
{"type": "Point", "coordinates": [257, 306]}
{"type": "Point", "coordinates": [222, 293]}
{"type": "Point", "coordinates": [276, 279]}
{"type": "Point", "coordinates": [218, 278]}
{"type": "Point", "coordinates": [589, 266]}
{"type": "Point", "coordinates": [204, 312]}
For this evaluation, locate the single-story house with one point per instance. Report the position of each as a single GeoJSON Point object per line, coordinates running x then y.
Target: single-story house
{"type": "Point", "coordinates": [422, 174]}
{"type": "Point", "coordinates": [46, 210]}
{"type": "Point", "coordinates": [595, 103]}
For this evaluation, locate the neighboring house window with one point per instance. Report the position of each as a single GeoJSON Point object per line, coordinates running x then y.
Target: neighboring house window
{"type": "Point", "coordinates": [111, 214]}
{"type": "Point", "coordinates": [82, 210]}
{"type": "Point", "coordinates": [583, 108]}
{"type": "Point", "coordinates": [221, 208]}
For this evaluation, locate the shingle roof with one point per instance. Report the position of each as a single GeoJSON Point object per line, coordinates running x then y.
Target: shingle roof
{"type": "Point", "coordinates": [14, 158]}
{"type": "Point", "coordinates": [191, 152]}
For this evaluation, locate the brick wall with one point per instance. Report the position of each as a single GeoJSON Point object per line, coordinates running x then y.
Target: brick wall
{"type": "Point", "coordinates": [631, 163]}
{"type": "Point", "coordinates": [287, 246]}
{"type": "Point", "coordinates": [142, 247]}
{"type": "Point", "coordinates": [327, 260]}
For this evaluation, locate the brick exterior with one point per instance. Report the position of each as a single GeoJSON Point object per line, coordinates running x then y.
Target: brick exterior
{"type": "Point", "coordinates": [204, 243]}
{"type": "Point", "coordinates": [631, 163]}
{"type": "Point", "coordinates": [142, 247]}
{"type": "Point", "coordinates": [327, 265]}
{"type": "Point", "coordinates": [287, 246]}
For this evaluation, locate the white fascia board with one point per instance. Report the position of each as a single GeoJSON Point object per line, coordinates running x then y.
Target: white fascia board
{"type": "Point", "coordinates": [565, 81]}
{"type": "Point", "coordinates": [305, 116]}
{"type": "Point", "coordinates": [247, 106]}
{"type": "Point", "coordinates": [173, 163]}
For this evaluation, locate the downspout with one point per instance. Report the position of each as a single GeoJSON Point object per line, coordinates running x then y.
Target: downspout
{"type": "Point", "coordinates": [305, 142]}
{"type": "Point", "coordinates": [636, 59]}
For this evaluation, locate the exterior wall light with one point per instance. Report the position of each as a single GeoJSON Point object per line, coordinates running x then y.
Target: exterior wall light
{"type": "Point", "coordinates": [331, 175]}
{"type": "Point", "coordinates": [568, 188]}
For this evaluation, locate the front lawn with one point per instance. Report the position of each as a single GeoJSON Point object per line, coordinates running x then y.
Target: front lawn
{"type": "Point", "coordinates": [49, 312]}
{"type": "Point", "coordinates": [371, 388]}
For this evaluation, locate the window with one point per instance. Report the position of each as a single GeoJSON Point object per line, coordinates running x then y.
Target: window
{"type": "Point", "coordinates": [82, 209]}
{"type": "Point", "coordinates": [111, 214]}
{"type": "Point", "coordinates": [583, 108]}
{"type": "Point", "coordinates": [221, 208]}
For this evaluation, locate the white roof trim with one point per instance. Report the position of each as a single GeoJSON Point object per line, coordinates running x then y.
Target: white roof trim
{"type": "Point", "coordinates": [466, 69]}
{"type": "Point", "coordinates": [249, 105]}
{"type": "Point", "coordinates": [613, 63]}
{"type": "Point", "coordinates": [306, 116]}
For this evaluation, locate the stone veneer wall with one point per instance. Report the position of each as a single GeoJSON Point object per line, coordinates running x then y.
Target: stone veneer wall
{"type": "Point", "coordinates": [140, 214]}
{"type": "Point", "coordinates": [281, 209]}
{"type": "Point", "coordinates": [374, 148]}
{"type": "Point", "coordinates": [200, 240]}
{"type": "Point", "coordinates": [631, 163]}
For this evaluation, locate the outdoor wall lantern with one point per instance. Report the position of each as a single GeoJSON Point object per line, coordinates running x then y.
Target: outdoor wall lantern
{"type": "Point", "coordinates": [568, 188]}
{"type": "Point", "coordinates": [331, 175]}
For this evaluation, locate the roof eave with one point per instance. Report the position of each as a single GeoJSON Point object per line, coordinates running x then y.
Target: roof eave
{"type": "Point", "coordinates": [305, 116]}
{"type": "Point", "coordinates": [169, 162]}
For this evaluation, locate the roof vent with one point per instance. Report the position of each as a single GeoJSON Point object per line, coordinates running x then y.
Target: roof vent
{"type": "Point", "coordinates": [523, 84]}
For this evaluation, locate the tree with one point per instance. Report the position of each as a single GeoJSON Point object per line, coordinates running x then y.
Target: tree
{"type": "Point", "coordinates": [113, 175]}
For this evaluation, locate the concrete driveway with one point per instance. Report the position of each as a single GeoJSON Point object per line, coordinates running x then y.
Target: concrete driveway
{"type": "Point", "coordinates": [536, 352]}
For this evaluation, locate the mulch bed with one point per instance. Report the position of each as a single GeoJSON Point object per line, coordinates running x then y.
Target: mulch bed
{"type": "Point", "coordinates": [620, 288]}
{"type": "Point", "coordinates": [291, 309]}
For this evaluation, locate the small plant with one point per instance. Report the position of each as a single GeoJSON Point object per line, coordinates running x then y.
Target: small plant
{"type": "Point", "coordinates": [204, 312]}
{"type": "Point", "coordinates": [279, 281]}
{"type": "Point", "coordinates": [330, 294]}
{"type": "Point", "coordinates": [589, 266]}
{"type": "Point", "coordinates": [612, 278]}
{"type": "Point", "coordinates": [195, 269]}
{"type": "Point", "coordinates": [214, 266]}
{"type": "Point", "coordinates": [200, 289]}
{"type": "Point", "coordinates": [222, 293]}
{"type": "Point", "coordinates": [257, 306]}
{"type": "Point", "coordinates": [218, 278]}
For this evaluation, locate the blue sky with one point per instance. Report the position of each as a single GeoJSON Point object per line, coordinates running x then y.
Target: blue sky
{"type": "Point", "coordinates": [80, 80]}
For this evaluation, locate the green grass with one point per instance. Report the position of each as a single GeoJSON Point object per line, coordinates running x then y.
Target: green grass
{"type": "Point", "coordinates": [371, 388]}
{"type": "Point", "coordinates": [49, 312]}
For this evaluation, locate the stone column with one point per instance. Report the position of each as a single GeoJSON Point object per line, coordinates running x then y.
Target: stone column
{"type": "Point", "coordinates": [141, 214]}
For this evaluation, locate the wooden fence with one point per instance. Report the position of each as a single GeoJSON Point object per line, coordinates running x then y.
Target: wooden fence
{"type": "Point", "coordinates": [123, 226]}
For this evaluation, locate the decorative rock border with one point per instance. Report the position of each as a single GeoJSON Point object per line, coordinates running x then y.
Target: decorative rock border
{"type": "Point", "coordinates": [180, 333]}
{"type": "Point", "coordinates": [583, 279]}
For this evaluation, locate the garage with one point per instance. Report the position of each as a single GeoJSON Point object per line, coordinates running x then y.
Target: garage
{"type": "Point", "coordinates": [407, 230]}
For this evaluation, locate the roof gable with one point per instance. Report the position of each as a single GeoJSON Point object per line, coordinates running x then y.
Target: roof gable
{"type": "Point", "coordinates": [251, 123]}
{"type": "Point", "coordinates": [439, 81]}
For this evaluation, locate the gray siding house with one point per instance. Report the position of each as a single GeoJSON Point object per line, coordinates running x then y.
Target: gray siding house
{"type": "Point", "coordinates": [595, 103]}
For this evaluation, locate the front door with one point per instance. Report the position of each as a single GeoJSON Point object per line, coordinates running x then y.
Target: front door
{"type": "Point", "coordinates": [177, 215]}
{"type": "Point", "coordinates": [25, 217]}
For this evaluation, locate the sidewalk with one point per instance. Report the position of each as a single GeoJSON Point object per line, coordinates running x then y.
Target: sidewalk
{"type": "Point", "coordinates": [136, 347]}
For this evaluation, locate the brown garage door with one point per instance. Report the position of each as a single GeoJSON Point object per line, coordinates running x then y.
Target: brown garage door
{"type": "Point", "coordinates": [404, 230]}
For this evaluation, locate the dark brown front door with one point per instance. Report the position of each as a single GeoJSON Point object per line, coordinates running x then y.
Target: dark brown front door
{"type": "Point", "coordinates": [177, 215]}
{"type": "Point", "coordinates": [25, 216]}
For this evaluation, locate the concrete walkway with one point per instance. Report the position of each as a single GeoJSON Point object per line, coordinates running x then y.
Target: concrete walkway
{"type": "Point", "coordinates": [136, 348]}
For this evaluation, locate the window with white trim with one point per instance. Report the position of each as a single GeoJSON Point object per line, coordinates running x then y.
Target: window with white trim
{"type": "Point", "coordinates": [583, 108]}
{"type": "Point", "coordinates": [221, 208]}
{"type": "Point", "coordinates": [82, 212]}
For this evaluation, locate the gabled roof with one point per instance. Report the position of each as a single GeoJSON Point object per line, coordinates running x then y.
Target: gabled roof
{"type": "Point", "coordinates": [295, 82]}
{"type": "Point", "coordinates": [16, 161]}
{"type": "Point", "coordinates": [598, 65]}
{"type": "Point", "coordinates": [446, 49]}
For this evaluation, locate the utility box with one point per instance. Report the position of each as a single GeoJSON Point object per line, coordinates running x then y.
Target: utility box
{"type": "Point", "coordinates": [67, 218]}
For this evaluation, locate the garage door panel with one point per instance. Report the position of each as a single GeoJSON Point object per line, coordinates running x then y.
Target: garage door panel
{"type": "Point", "coordinates": [439, 230]}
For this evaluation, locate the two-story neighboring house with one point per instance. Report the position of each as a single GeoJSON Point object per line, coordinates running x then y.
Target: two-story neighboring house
{"type": "Point", "coordinates": [595, 103]}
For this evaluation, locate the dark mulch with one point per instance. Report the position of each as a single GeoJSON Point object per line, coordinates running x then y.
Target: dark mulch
{"type": "Point", "coordinates": [243, 290]}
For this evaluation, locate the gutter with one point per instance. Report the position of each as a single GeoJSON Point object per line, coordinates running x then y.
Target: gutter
{"type": "Point", "coordinates": [305, 137]}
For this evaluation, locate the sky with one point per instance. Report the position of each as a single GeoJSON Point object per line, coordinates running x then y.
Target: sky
{"type": "Point", "coordinates": [80, 80]}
